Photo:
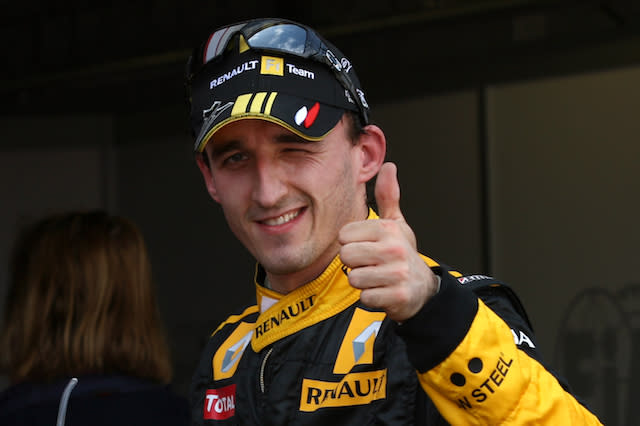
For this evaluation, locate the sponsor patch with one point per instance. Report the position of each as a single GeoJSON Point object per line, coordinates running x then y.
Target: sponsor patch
{"type": "Point", "coordinates": [353, 389]}
{"type": "Point", "coordinates": [220, 404]}
{"type": "Point", "coordinates": [357, 345]}
{"type": "Point", "coordinates": [362, 99]}
{"type": "Point", "coordinates": [494, 379]}
{"type": "Point", "coordinates": [470, 278]}
{"type": "Point", "coordinates": [521, 339]}
{"type": "Point", "coordinates": [348, 96]}
{"type": "Point", "coordinates": [246, 66]}
{"type": "Point", "coordinates": [272, 65]}
{"type": "Point", "coordinates": [301, 72]}
{"type": "Point", "coordinates": [216, 109]}
{"type": "Point", "coordinates": [346, 65]}
{"type": "Point", "coordinates": [225, 360]}
{"type": "Point", "coordinates": [285, 315]}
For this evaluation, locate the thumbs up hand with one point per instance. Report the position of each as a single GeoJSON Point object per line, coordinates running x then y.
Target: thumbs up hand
{"type": "Point", "coordinates": [383, 258]}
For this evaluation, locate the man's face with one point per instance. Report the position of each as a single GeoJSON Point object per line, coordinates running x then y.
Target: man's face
{"type": "Point", "coordinates": [283, 197]}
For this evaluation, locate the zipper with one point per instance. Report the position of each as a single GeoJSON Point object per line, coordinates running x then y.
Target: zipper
{"type": "Point", "coordinates": [262, 368]}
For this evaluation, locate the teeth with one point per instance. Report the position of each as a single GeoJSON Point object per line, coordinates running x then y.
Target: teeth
{"type": "Point", "coordinates": [282, 219]}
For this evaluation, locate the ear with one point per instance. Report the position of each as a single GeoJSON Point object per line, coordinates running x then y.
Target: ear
{"type": "Point", "coordinates": [373, 148]}
{"type": "Point", "coordinates": [205, 169]}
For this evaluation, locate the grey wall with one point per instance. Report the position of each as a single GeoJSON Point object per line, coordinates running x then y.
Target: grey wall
{"type": "Point", "coordinates": [436, 144]}
{"type": "Point", "coordinates": [565, 204]}
{"type": "Point", "coordinates": [48, 167]}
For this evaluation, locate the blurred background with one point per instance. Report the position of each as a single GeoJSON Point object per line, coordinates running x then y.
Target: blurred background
{"type": "Point", "coordinates": [514, 125]}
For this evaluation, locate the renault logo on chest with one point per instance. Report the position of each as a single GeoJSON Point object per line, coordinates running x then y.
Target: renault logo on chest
{"type": "Point", "coordinates": [358, 342]}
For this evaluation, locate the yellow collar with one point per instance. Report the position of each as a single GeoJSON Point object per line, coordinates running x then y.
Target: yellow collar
{"type": "Point", "coordinates": [315, 301]}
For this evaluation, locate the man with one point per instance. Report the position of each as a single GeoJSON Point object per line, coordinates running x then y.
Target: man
{"type": "Point", "coordinates": [351, 325]}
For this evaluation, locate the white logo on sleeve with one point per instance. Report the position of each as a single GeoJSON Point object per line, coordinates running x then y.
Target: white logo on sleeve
{"type": "Point", "coordinates": [521, 339]}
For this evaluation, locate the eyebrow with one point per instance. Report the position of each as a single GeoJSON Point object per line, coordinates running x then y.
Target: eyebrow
{"type": "Point", "coordinates": [288, 137]}
{"type": "Point", "coordinates": [226, 146]}
{"type": "Point", "coordinates": [222, 147]}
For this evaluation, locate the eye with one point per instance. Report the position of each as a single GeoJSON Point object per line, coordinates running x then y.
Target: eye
{"type": "Point", "coordinates": [234, 158]}
{"type": "Point", "coordinates": [296, 150]}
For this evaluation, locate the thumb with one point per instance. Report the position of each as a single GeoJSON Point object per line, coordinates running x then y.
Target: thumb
{"type": "Point", "coordinates": [387, 192]}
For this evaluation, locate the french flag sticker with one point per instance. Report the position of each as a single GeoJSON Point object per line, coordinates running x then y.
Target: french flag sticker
{"type": "Point", "coordinates": [305, 117]}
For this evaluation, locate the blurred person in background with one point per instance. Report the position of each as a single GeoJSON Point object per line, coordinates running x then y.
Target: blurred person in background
{"type": "Point", "coordinates": [82, 304]}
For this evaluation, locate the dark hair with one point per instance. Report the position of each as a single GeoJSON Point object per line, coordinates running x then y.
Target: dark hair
{"type": "Point", "coordinates": [354, 125]}
{"type": "Point", "coordinates": [355, 129]}
{"type": "Point", "coordinates": [82, 301]}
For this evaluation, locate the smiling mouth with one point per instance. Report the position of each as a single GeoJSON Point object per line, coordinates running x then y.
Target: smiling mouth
{"type": "Point", "coordinates": [281, 220]}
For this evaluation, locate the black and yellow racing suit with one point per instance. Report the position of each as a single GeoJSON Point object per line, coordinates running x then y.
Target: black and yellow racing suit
{"type": "Point", "coordinates": [318, 356]}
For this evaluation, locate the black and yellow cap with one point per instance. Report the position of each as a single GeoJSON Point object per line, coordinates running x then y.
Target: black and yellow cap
{"type": "Point", "coordinates": [299, 94]}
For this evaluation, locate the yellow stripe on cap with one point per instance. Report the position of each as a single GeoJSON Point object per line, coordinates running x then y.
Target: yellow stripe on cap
{"type": "Point", "coordinates": [256, 104]}
{"type": "Point", "coordinates": [240, 105]}
{"type": "Point", "coordinates": [249, 105]}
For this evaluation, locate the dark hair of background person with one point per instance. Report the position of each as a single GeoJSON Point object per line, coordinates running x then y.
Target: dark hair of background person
{"type": "Point", "coordinates": [81, 301]}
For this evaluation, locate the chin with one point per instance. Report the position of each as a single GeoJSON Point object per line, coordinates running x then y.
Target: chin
{"type": "Point", "coordinates": [281, 268]}
{"type": "Point", "coordinates": [284, 264]}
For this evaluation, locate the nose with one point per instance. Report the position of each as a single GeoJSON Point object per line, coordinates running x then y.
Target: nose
{"type": "Point", "coordinates": [270, 184]}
